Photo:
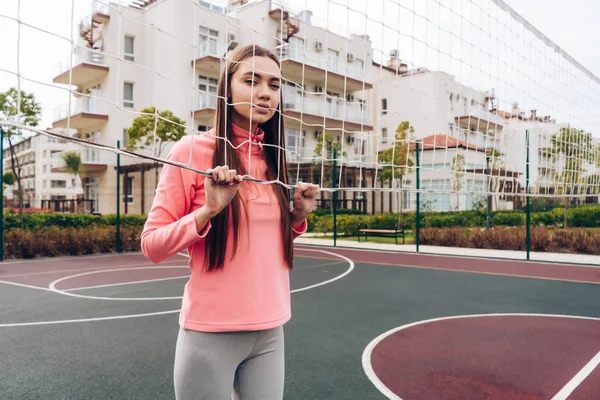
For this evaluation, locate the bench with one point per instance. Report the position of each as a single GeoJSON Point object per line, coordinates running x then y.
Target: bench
{"type": "Point", "coordinates": [395, 233]}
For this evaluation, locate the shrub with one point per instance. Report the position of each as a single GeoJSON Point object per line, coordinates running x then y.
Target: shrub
{"type": "Point", "coordinates": [584, 216]}
{"type": "Point", "coordinates": [61, 241]}
{"type": "Point", "coordinates": [508, 219]}
{"type": "Point", "coordinates": [540, 239]}
{"type": "Point", "coordinates": [36, 221]}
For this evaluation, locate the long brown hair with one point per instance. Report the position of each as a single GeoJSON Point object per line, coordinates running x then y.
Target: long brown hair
{"type": "Point", "coordinates": [216, 240]}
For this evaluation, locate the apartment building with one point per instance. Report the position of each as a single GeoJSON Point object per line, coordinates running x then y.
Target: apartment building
{"type": "Point", "coordinates": [453, 117]}
{"type": "Point", "coordinates": [124, 64]}
{"type": "Point", "coordinates": [37, 155]}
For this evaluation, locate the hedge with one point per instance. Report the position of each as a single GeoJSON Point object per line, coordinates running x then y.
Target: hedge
{"type": "Point", "coordinates": [580, 240]}
{"type": "Point", "coordinates": [36, 221]}
{"type": "Point", "coordinates": [580, 217]}
{"type": "Point", "coordinates": [72, 241]}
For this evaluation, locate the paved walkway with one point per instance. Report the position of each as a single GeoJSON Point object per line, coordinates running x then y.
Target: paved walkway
{"type": "Point", "coordinates": [457, 251]}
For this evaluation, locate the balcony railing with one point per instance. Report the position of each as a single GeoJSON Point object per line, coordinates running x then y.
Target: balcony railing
{"type": "Point", "coordinates": [207, 100]}
{"type": "Point", "coordinates": [337, 65]}
{"type": "Point", "coordinates": [479, 114]}
{"type": "Point", "coordinates": [80, 55]}
{"type": "Point", "coordinates": [330, 108]}
{"type": "Point", "coordinates": [89, 156]}
{"type": "Point", "coordinates": [91, 105]}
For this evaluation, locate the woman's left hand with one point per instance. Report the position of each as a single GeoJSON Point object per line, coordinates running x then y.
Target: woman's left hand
{"type": "Point", "coordinates": [304, 200]}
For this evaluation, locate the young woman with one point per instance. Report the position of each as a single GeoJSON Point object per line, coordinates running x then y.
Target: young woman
{"type": "Point", "coordinates": [238, 234]}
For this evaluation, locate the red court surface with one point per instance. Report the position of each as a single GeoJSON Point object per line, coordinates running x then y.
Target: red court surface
{"type": "Point", "coordinates": [566, 272]}
{"type": "Point", "coordinates": [489, 357]}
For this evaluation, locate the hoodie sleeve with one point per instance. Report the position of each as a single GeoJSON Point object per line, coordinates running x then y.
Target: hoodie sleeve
{"type": "Point", "coordinates": [171, 225]}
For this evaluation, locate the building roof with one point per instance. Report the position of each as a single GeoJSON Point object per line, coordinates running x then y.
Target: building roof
{"type": "Point", "coordinates": [441, 141]}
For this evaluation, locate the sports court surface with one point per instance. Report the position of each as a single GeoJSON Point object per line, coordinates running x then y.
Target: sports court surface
{"type": "Point", "coordinates": [365, 325]}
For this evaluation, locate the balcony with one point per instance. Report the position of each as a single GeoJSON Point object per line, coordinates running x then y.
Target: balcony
{"type": "Point", "coordinates": [92, 160]}
{"type": "Point", "coordinates": [296, 65]}
{"type": "Point", "coordinates": [477, 119]}
{"type": "Point", "coordinates": [315, 109]}
{"type": "Point", "coordinates": [205, 109]}
{"type": "Point", "coordinates": [87, 115]}
{"type": "Point", "coordinates": [208, 58]}
{"type": "Point", "coordinates": [89, 68]}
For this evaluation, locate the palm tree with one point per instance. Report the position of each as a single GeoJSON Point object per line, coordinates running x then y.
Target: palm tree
{"type": "Point", "coordinates": [72, 165]}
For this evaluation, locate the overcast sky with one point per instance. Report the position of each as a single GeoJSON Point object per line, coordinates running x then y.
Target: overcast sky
{"type": "Point", "coordinates": [569, 24]}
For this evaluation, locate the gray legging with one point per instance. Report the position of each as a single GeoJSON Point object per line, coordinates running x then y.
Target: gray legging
{"type": "Point", "coordinates": [209, 365]}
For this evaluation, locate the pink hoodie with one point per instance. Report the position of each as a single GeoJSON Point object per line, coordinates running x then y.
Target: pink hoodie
{"type": "Point", "coordinates": [252, 291]}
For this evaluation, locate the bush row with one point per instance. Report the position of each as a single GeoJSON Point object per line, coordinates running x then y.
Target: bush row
{"type": "Point", "coordinates": [348, 220]}
{"type": "Point", "coordinates": [583, 216]}
{"type": "Point", "coordinates": [69, 241]}
{"type": "Point", "coordinates": [585, 241]}
{"type": "Point", "coordinates": [35, 221]}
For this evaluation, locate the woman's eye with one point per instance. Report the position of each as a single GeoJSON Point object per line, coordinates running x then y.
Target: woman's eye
{"type": "Point", "coordinates": [250, 81]}
{"type": "Point", "coordinates": [275, 87]}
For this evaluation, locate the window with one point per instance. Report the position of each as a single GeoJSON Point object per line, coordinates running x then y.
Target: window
{"type": "Point", "coordinates": [202, 128]}
{"type": "Point", "coordinates": [128, 95]}
{"type": "Point", "coordinates": [213, 7]}
{"type": "Point", "coordinates": [90, 188]}
{"type": "Point", "coordinates": [383, 106]}
{"type": "Point", "coordinates": [207, 98]}
{"type": "Point", "coordinates": [295, 140]}
{"type": "Point", "coordinates": [129, 198]}
{"type": "Point", "coordinates": [208, 41]}
{"type": "Point", "coordinates": [332, 59]}
{"type": "Point", "coordinates": [125, 137]}
{"type": "Point", "coordinates": [384, 135]}
{"type": "Point", "coordinates": [360, 67]}
{"type": "Point", "coordinates": [296, 48]}
{"type": "Point", "coordinates": [129, 49]}
{"type": "Point", "coordinates": [58, 184]}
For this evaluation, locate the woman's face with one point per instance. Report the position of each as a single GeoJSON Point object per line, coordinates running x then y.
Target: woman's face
{"type": "Point", "coordinates": [261, 89]}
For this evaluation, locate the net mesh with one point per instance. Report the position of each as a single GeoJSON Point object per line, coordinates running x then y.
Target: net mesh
{"type": "Point", "coordinates": [456, 99]}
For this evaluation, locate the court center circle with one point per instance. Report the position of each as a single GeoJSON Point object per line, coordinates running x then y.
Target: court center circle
{"type": "Point", "coordinates": [117, 317]}
{"type": "Point", "coordinates": [52, 285]}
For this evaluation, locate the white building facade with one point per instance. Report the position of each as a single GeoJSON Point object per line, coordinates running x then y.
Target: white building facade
{"type": "Point", "coordinates": [127, 65]}
{"type": "Point", "coordinates": [37, 156]}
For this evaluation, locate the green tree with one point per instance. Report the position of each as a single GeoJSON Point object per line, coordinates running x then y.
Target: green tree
{"type": "Point", "coordinates": [8, 179]}
{"type": "Point", "coordinates": [18, 107]}
{"type": "Point", "coordinates": [458, 174]}
{"type": "Point", "coordinates": [573, 147]}
{"type": "Point", "coordinates": [495, 162]}
{"type": "Point", "coordinates": [323, 154]}
{"type": "Point", "coordinates": [399, 158]}
{"type": "Point", "coordinates": [148, 131]}
{"type": "Point", "coordinates": [72, 164]}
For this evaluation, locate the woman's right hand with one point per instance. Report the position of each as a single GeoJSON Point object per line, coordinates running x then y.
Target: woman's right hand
{"type": "Point", "coordinates": [220, 188]}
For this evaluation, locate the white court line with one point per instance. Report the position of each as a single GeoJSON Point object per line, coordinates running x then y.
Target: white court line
{"type": "Point", "coordinates": [8, 263]}
{"type": "Point", "coordinates": [26, 286]}
{"type": "Point", "coordinates": [366, 356]}
{"type": "Point", "coordinates": [68, 321]}
{"type": "Point", "coordinates": [566, 391]}
{"type": "Point", "coordinates": [52, 285]}
{"type": "Point", "coordinates": [125, 283]}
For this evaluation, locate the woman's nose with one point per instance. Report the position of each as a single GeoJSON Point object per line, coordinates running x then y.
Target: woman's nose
{"type": "Point", "coordinates": [263, 92]}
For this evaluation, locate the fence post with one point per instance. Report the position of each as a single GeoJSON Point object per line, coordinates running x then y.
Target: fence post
{"type": "Point", "coordinates": [1, 194]}
{"type": "Point", "coordinates": [118, 221]}
{"type": "Point", "coordinates": [417, 212]}
{"type": "Point", "coordinates": [527, 202]}
{"type": "Point", "coordinates": [335, 197]}
{"type": "Point", "coordinates": [488, 218]}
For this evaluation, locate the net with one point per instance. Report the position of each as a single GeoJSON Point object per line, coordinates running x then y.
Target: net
{"type": "Point", "coordinates": [456, 100]}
